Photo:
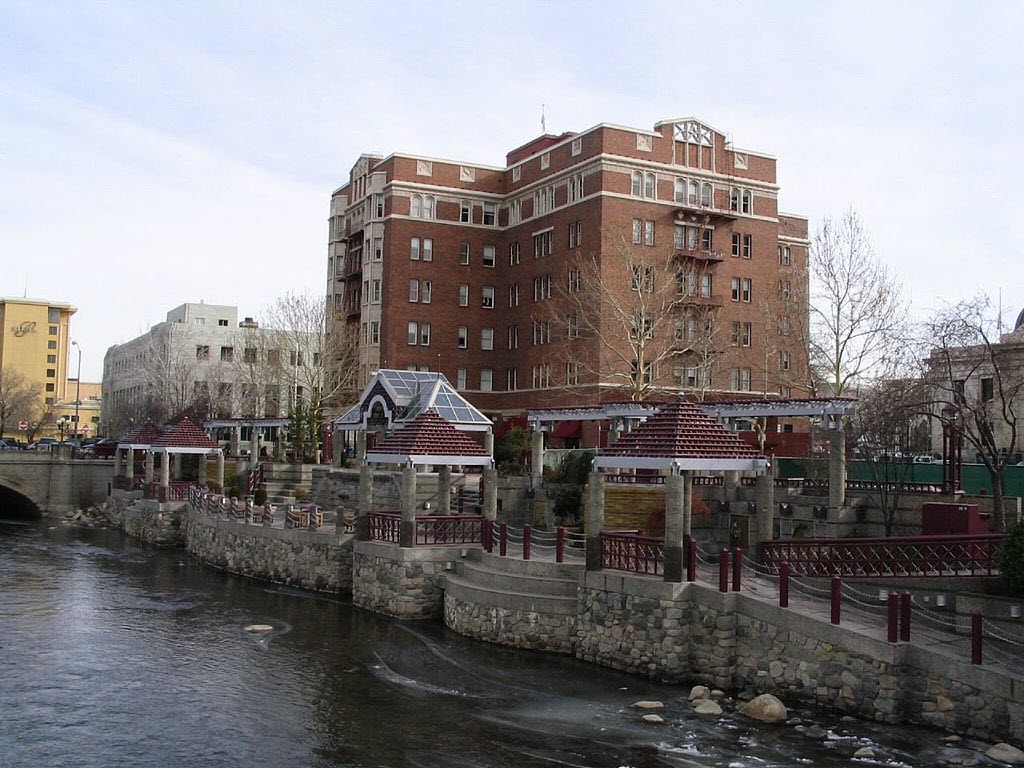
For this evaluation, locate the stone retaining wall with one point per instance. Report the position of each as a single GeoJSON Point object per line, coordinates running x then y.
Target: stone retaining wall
{"type": "Point", "coordinates": [320, 562]}
{"type": "Point", "coordinates": [514, 627]}
{"type": "Point", "coordinates": [407, 583]}
{"type": "Point", "coordinates": [149, 521]}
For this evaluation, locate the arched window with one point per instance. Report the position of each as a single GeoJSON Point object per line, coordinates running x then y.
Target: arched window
{"type": "Point", "coordinates": [680, 191]}
{"type": "Point", "coordinates": [415, 206]}
{"type": "Point", "coordinates": [428, 206]}
{"type": "Point", "coordinates": [693, 192]}
{"type": "Point", "coordinates": [734, 199]}
{"type": "Point", "coordinates": [706, 195]}
{"type": "Point", "coordinates": [465, 211]}
{"type": "Point", "coordinates": [650, 188]}
{"type": "Point", "coordinates": [637, 181]}
{"type": "Point", "coordinates": [746, 201]}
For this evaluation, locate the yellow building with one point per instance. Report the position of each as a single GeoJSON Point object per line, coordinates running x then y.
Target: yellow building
{"type": "Point", "coordinates": [34, 341]}
{"type": "Point", "coordinates": [88, 397]}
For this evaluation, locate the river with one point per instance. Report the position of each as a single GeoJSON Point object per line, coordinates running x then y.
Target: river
{"type": "Point", "coordinates": [114, 654]}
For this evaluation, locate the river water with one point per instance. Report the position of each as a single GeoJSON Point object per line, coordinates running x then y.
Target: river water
{"type": "Point", "coordinates": [113, 654]}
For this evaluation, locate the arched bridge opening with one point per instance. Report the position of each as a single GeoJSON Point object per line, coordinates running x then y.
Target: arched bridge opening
{"type": "Point", "coordinates": [16, 506]}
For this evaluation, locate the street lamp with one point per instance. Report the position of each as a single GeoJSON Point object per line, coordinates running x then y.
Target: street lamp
{"type": "Point", "coordinates": [78, 386]}
{"type": "Point", "coordinates": [60, 425]}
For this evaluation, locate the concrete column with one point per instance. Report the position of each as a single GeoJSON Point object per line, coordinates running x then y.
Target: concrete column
{"type": "Point", "coordinates": [836, 469]}
{"type": "Point", "coordinates": [129, 468]}
{"type": "Point", "coordinates": [337, 459]}
{"type": "Point", "coordinates": [365, 503]}
{"type": "Point", "coordinates": [407, 533]}
{"type": "Point", "coordinates": [165, 469]}
{"type": "Point", "coordinates": [489, 443]}
{"type": "Point", "coordinates": [279, 441]}
{"type": "Point", "coordinates": [537, 460]}
{"type": "Point", "coordinates": [595, 520]}
{"type": "Point", "coordinates": [676, 525]}
{"type": "Point", "coordinates": [614, 430]}
{"type": "Point", "coordinates": [149, 466]}
{"type": "Point", "coordinates": [117, 462]}
{"type": "Point", "coordinates": [176, 465]}
{"type": "Point", "coordinates": [731, 486]}
{"type": "Point", "coordinates": [764, 513]}
{"type": "Point", "coordinates": [235, 443]}
{"type": "Point", "coordinates": [202, 469]}
{"type": "Point", "coordinates": [255, 444]}
{"type": "Point", "coordinates": [444, 490]}
{"type": "Point", "coordinates": [360, 448]}
{"type": "Point", "coordinates": [491, 493]}
{"type": "Point", "coordinates": [220, 470]}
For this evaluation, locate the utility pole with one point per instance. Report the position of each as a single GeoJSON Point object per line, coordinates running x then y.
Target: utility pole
{"type": "Point", "coordinates": [78, 388]}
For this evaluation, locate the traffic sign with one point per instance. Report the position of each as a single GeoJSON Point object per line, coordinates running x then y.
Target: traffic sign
{"type": "Point", "coordinates": [85, 429]}
{"type": "Point", "coordinates": [23, 426]}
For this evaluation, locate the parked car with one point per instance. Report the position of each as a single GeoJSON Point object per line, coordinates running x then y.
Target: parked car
{"type": "Point", "coordinates": [43, 444]}
{"type": "Point", "coordinates": [927, 459]}
{"type": "Point", "coordinates": [9, 445]}
{"type": "Point", "coordinates": [104, 449]}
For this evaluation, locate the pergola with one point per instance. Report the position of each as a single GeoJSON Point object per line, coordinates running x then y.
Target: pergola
{"type": "Point", "coordinates": [682, 438]}
{"type": "Point", "coordinates": [139, 439]}
{"type": "Point", "coordinates": [426, 440]}
{"type": "Point", "coordinates": [183, 438]}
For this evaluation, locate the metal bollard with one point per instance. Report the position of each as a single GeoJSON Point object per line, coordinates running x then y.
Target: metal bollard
{"type": "Point", "coordinates": [486, 534]}
{"type": "Point", "coordinates": [503, 540]}
{"type": "Point", "coordinates": [784, 585]}
{"type": "Point", "coordinates": [723, 571]}
{"type": "Point", "coordinates": [905, 617]}
{"type": "Point", "coordinates": [893, 616]}
{"type": "Point", "coordinates": [837, 597]}
{"type": "Point", "coordinates": [559, 544]}
{"type": "Point", "coordinates": [691, 561]}
{"type": "Point", "coordinates": [737, 568]}
{"type": "Point", "coordinates": [976, 637]}
{"type": "Point", "coordinates": [527, 531]}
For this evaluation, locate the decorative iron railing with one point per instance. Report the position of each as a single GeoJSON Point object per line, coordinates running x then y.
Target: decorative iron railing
{"type": "Point", "coordinates": [385, 526]}
{"type": "Point", "coordinates": [449, 529]}
{"type": "Point", "coordinates": [622, 479]}
{"type": "Point", "coordinates": [621, 551]}
{"type": "Point", "coordinates": [922, 556]}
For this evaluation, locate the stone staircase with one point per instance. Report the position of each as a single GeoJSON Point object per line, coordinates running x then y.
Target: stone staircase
{"type": "Point", "coordinates": [281, 481]}
{"type": "Point", "coordinates": [529, 586]}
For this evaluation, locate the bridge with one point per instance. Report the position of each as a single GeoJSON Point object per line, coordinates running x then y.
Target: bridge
{"type": "Point", "coordinates": [32, 482]}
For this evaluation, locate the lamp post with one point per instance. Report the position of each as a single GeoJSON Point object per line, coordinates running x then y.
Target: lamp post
{"type": "Point", "coordinates": [60, 425]}
{"type": "Point", "coordinates": [78, 387]}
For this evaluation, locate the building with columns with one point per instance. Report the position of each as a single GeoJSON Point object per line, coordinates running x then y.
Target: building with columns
{"type": "Point", "coordinates": [466, 269]}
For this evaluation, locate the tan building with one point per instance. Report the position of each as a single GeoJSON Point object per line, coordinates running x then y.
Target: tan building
{"type": "Point", "coordinates": [83, 405]}
{"type": "Point", "coordinates": [34, 342]}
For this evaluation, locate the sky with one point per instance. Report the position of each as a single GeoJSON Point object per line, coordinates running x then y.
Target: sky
{"type": "Point", "coordinates": [158, 153]}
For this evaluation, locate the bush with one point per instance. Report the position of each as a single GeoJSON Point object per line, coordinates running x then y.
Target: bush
{"type": "Point", "coordinates": [575, 467]}
{"type": "Point", "coordinates": [260, 497]}
{"type": "Point", "coordinates": [233, 492]}
{"type": "Point", "coordinates": [568, 504]}
{"type": "Point", "coordinates": [301, 494]}
{"type": "Point", "coordinates": [1011, 559]}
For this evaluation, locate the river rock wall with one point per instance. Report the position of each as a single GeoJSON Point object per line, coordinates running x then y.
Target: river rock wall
{"type": "Point", "coordinates": [148, 521]}
{"type": "Point", "coordinates": [407, 583]}
{"type": "Point", "coordinates": [320, 562]}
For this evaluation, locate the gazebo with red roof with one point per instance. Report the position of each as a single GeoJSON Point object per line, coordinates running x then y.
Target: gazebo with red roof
{"type": "Point", "coordinates": [682, 438]}
{"type": "Point", "coordinates": [185, 438]}
{"type": "Point", "coordinates": [428, 439]}
{"type": "Point", "coordinates": [139, 439]}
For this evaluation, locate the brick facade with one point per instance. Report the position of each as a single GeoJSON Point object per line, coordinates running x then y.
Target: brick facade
{"type": "Point", "coordinates": [382, 219]}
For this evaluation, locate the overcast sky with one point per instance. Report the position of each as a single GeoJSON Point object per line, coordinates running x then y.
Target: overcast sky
{"type": "Point", "coordinates": [152, 154]}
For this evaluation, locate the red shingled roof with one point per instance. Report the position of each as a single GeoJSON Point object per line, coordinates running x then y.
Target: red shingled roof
{"type": "Point", "coordinates": [146, 433]}
{"type": "Point", "coordinates": [185, 434]}
{"type": "Point", "coordinates": [429, 435]}
{"type": "Point", "coordinates": [681, 430]}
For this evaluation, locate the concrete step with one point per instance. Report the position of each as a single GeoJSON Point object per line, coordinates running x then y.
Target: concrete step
{"type": "Point", "coordinates": [503, 580]}
{"type": "Point", "coordinates": [517, 566]}
{"type": "Point", "coordinates": [463, 589]}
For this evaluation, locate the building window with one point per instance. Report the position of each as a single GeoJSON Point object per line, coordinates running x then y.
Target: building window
{"type": "Point", "coordinates": [414, 290]}
{"type": "Point", "coordinates": [746, 205]}
{"type": "Point", "coordinates": [575, 188]}
{"type": "Point", "coordinates": [785, 289]}
{"type": "Point", "coordinates": [486, 338]}
{"type": "Point", "coordinates": [414, 249]}
{"type": "Point", "coordinates": [51, 345]}
{"type": "Point", "coordinates": [428, 206]}
{"type": "Point", "coordinates": [648, 233]}
{"type": "Point", "coordinates": [748, 246]}
{"type": "Point", "coordinates": [51, 358]}
{"type": "Point", "coordinates": [460, 378]}
{"type": "Point", "coordinates": [51, 373]}
{"type": "Point", "coordinates": [227, 354]}
{"type": "Point", "coordinates": [637, 225]}
{"type": "Point", "coordinates": [53, 315]}
{"type": "Point", "coordinates": [486, 379]}
{"type": "Point", "coordinates": [679, 190]}
{"type": "Point", "coordinates": [378, 250]}
{"type": "Point", "coordinates": [636, 183]}
{"type": "Point", "coordinates": [745, 292]}
{"type": "Point", "coordinates": [542, 375]}
{"type": "Point", "coordinates": [463, 336]}
{"type": "Point", "coordinates": [53, 328]}
{"type": "Point", "coordinates": [734, 199]}
{"type": "Point", "coordinates": [543, 244]}
{"type": "Point", "coordinates": [705, 239]}
{"type": "Point", "coordinates": [735, 289]}
{"type": "Point", "coordinates": [735, 244]}
{"type": "Point", "coordinates": [464, 294]}
{"type": "Point", "coordinates": [378, 206]}
{"type": "Point", "coordinates": [465, 212]}
{"type": "Point", "coordinates": [650, 186]}
{"type": "Point", "coordinates": [576, 148]}
{"type": "Point", "coordinates": [573, 283]}
{"type": "Point", "coordinates": [513, 254]}
{"type": "Point", "coordinates": [643, 279]}
{"type": "Point", "coordinates": [543, 201]}
{"type": "Point", "coordinates": [734, 337]}
{"type": "Point", "coordinates": [572, 372]}
{"type": "Point", "coordinates": [785, 362]}
{"type": "Point", "coordinates": [513, 295]}
{"type": "Point", "coordinates": [575, 234]}
{"type": "Point", "coordinates": [425, 292]}
{"type": "Point", "coordinates": [490, 214]}
{"type": "Point", "coordinates": [541, 332]}
{"type": "Point", "coordinates": [513, 337]}
{"type": "Point", "coordinates": [50, 388]}
{"type": "Point", "coordinates": [572, 326]}
{"type": "Point", "coordinates": [515, 212]}
{"type": "Point", "coordinates": [375, 332]}
{"type": "Point", "coordinates": [487, 297]}
{"type": "Point", "coordinates": [706, 195]}
{"type": "Point", "coordinates": [375, 296]}
{"type": "Point", "coordinates": [542, 287]}
{"type": "Point", "coordinates": [747, 334]}
{"type": "Point", "coordinates": [987, 390]}
{"type": "Point", "coordinates": [425, 334]}
{"type": "Point", "coordinates": [488, 258]}
{"type": "Point", "coordinates": [202, 352]}
{"type": "Point", "coordinates": [413, 334]}
{"type": "Point", "coordinates": [416, 206]}
{"type": "Point", "coordinates": [428, 249]}
{"type": "Point", "coordinates": [511, 380]}
{"type": "Point", "coordinates": [785, 256]}
{"type": "Point", "coordinates": [740, 379]}
{"type": "Point", "coordinates": [464, 254]}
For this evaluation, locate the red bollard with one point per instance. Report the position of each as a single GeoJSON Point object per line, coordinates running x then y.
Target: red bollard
{"type": "Point", "coordinates": [691, 562]}
{"type": "Point", "coordinates": [837, 597]}
{"type": "Point", "coordinates": [905, 617]}
{"type": "Point", "coordinates": [503, 540]}
{"type": "Point", "coordinates": [784, 585]}
{"type": "Point", "coordinates": [559, 544]}
{"type": "Point", "coordinates": [891, 627]}
{"type": "Point", "coordinates": [527, 530]}
{"type": "Point", "coordinates": [723, 571]}
{"type": "Point", "coordinates": [737, 568]}
{"type": "Point", "coordinates": [488, 536]}
{"type": "Point", "coordinates": [976, 637]}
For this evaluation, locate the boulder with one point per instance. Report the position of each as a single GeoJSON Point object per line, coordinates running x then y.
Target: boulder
{"type": "Point", "coordinates": [648, 705]}
{"type": "Point", "coordinates": [699, 692]}
{"type": "Point", "coordinates": [1005, 753]}
{"type": "Point", "coordinates": [653, 719]}
{"type": "Point", "coordinates": [256, 628]}
{"type": "Point", "coordinates": [766, 708]}
{"type": "Point", "coordinates": [707, 707]}
{"type": "Point", "coordinates": [866, 753]}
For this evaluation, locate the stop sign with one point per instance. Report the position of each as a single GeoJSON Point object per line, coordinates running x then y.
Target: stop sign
{"type": "Point", "coordinates": [23, 426]}
{"type": "Point", "coordinates": [85, 429]}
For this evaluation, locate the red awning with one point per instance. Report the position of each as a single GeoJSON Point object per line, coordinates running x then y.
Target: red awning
{"type": "Point", "coordinates": [567, 429]}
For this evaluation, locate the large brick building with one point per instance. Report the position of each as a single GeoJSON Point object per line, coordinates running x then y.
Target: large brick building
{"type": "Point", "coordinates": [468, 269]}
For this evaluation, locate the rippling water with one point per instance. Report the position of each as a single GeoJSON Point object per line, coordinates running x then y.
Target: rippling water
{"type": "Point", "coordinates": [112, 654]}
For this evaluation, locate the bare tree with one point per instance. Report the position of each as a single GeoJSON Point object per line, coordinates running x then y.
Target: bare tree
{"type": "Point", "coordinates": [642, 321]}
{"type": "Point", "coordinates": [977, 386]}
{"type": "Point", "coordinates": [18, 398]}
{"type": "Point", "coordinates": [858, 310]}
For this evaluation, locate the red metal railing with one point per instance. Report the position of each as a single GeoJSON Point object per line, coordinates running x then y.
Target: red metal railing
{"type": "Point", "coordinates": [385, 526]}
{"type": "Point", "coordinates": [449, 529]}
{"type": "Point", "coordinates": [255, 479]}
{"type": "Point", "coordinates": [633, 553]}
{"type": "Point", "coordinates": [974, 555]}
{"type": "Point", "coordinates": [635, 479]}
{"type": "Point", "coordinates": [708, 480]}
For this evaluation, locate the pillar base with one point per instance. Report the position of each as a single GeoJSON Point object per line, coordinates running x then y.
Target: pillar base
{"type": "Point", "coordinates": [594, 560]}
{"type": "Point", "coordinates": [363, 528]}
{"type": "Point", "coordinates": [407, 533]}
{"type": "Point", "coordinates": [675, 570]}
